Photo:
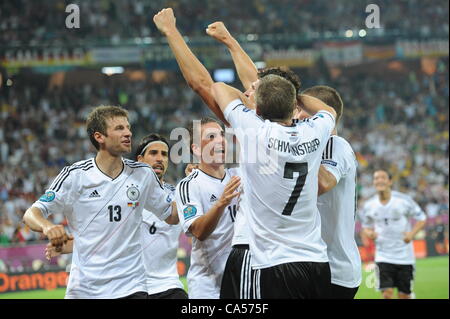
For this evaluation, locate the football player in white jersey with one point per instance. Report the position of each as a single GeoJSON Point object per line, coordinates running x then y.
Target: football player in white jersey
{"type": "Point", "coordinates": [337, 231]}
{"type": "Point", "coordinates": [337, 204]}
{"type": "Point", "coordinates": [200, 80]}
{"type": "Point", "coordinates": [386, 219]}
{"type": "Point", "coordinates": [206, 201]}
{"type": "Point", "coordinates": [159, 240]}
{"type": "Point", "coordinates": [102, 199]}
{"type": "Point", "coordinates": [284, 223]}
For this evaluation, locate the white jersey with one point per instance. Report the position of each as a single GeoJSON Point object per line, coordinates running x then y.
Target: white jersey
{"type": "Point", "coordinates": [280, 168]}
{"type": "Point", "coordinates": [240, 236]}
{"type": "Point", "coordinates": [195, 195]}
{"type": "Point", "coordinates": [390, 222]}
{"type": "Point", "coordinates": [160, 246]}
{"type": "Point", "coordinates": [337, 210]}
{"type": "Point", "coordinates": [104, 215]}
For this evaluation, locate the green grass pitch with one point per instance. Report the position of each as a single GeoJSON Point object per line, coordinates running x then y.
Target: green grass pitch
{"type": "Point", "coordinates": [431, 282]}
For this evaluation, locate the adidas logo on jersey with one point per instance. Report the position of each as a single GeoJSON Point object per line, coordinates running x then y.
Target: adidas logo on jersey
{"type": "Point", "coordinates": [94, 194]}
{"type": "Point", "coordinates": [213, 198]}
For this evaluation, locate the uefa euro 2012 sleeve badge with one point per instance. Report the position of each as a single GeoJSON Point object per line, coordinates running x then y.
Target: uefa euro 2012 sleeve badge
{"type": "Point", "coordinates": [133, 195]}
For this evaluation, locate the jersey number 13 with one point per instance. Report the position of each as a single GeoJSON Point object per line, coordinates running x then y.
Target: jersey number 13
{"type": "Point", "coordinates": [115, 213]}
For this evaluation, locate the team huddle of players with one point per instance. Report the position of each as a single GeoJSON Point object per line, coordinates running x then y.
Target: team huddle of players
{"type": "Point", "coordinates": [278, 225]}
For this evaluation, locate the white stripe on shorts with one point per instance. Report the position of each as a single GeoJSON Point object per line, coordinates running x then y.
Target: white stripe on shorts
{"type": "Point", "coordinates": [246, 279]}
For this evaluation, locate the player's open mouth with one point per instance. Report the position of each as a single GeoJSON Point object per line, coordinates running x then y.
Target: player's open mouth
{"type": "Point", "coordinates": [158, 168]}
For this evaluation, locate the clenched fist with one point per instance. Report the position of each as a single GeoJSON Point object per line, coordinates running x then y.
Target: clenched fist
{"type": "Point", "coordinates": [218, 31]}
{"type": "Point", "coordinates": [57, 236]}
{"type": "Point", "coordinates": [165, 20]}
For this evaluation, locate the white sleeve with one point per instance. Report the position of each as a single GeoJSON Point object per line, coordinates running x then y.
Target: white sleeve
{"type": "Point", "coordinates": [58, 197]}
{"type": "Point", "coordinates": [189, 205]}
{"type": "Point", "coordinates": [157, 200]}
{"type": "Point", "coordinates": [337, 160]}
{"type": "Point", "coordinates": [324, 123]}
{"type": "Point", "coordinates": [415, 211]}
{"type": "Point", "coordinates": [241, 117]}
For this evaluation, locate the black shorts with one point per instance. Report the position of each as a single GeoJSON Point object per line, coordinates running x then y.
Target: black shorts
{"type": "Point", "coordinates": [340, 292]}
{"type": "Point", "coordinates": [297, 280]}
{"type": "Point", "coordinates": [175, 293]}
{"type": "Point", "coordinates": [136, 295]}
{"type": "Point", "coordinates": [237, 276]}
{"type": "Point", "coordinates": [395, 276]}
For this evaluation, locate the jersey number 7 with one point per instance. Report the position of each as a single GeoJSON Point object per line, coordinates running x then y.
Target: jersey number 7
{"type": "Point", "coordinates": [289, 169]}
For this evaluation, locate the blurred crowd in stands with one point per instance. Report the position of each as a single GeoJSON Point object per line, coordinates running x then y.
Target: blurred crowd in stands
{"type": "Point", "coordinates": [398, 125]}
{"type": "Point", "coordinates": [29, 22]}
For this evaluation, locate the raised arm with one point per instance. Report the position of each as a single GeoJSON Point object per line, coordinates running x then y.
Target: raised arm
{"type": "Point", "coordinates": [195, 74]}
{"type": "Point", "coordinates": [246, 69]}
{"type": "Point", "coordinates": [224, 94]}
{"type": "Point", "coordinates": [312, 105]}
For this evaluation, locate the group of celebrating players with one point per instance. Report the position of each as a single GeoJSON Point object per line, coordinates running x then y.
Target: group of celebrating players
{"type": "Point", "coordinates": [278, 225]}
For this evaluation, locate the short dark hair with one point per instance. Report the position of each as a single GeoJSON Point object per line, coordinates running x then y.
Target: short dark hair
{"type": "Point", "coordinates": [329, 96]}
{"type": "Point", "coordinates": [384, 170]}
{"type": "Point", "coordinates": [96, 120]}
{"type": "Point", "coordinates": [284, 73]}
{"type": "Point", "coordinates": [203, 120]}
{"type": "Point", "coordinates": [275, 98]}
{"type": "Point", "coordinates": [152, 137]}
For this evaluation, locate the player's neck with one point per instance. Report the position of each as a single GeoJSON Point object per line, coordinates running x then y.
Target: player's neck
{"type": "Point", "coordinates": [110, 165]}
{"type": "Point", "coordinates": [283, 122]}
{"type": "Point", "coordinates": [214, 170]}
{"type": "Point", "coordinates": [384, 196]}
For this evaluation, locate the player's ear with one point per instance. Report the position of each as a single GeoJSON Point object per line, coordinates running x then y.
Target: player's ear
{"type": "Point", "coordinates": [196, 150]}
{"type": "Point", "coordinates": [99, 137]}
{"type": "Point", "coordinates": [140, 158]}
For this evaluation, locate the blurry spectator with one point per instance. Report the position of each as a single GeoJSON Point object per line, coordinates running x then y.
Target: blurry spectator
{"type": "Point", "coordinates": [27, 22]}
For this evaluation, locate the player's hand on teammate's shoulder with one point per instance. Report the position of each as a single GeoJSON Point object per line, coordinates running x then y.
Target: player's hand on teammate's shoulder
{"type": "Point", "coordinates": [165, 20]}
{"type": "Point", "coordinates": [218, 31]}
{"type": "Point", "coordinates": [230, 191]}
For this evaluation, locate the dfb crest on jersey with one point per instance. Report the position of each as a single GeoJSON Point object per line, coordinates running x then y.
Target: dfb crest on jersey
{"type": "Point", "coordinates": [133, 192]}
